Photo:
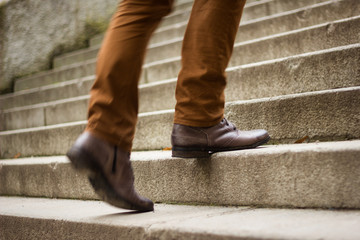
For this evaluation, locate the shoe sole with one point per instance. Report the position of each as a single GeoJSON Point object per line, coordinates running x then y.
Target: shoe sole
{"type": "Point", "coordinates": [183, 152]}
{"type": "Point", "coordinates": [84, 164]}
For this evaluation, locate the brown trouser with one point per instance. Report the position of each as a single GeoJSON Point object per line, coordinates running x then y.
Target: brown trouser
{"type": "Point", "coordinates": [207, 47]}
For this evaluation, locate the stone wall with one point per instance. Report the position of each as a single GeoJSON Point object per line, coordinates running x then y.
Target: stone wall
{"type": "Point", "coordinates": [32, 32]}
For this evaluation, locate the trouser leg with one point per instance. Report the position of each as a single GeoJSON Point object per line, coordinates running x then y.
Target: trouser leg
{"type": "Point", "coordinates": [206, 51]}
{"type": "Point", "coordinates": [113, 106]}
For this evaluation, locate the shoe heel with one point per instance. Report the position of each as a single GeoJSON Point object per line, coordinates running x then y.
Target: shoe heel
{"type": "Point", "coordinates": [79, 161]}
{"type": "Point", "coordinates": [186, 153]}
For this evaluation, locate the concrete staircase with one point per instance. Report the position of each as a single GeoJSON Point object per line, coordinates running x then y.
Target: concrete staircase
{"type": "Point", "coordinates": [295, 71]}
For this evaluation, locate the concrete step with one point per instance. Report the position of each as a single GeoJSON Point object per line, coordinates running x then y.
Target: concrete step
{"type": "Point", "coordinates": [252, 10]}
{"type": "Point", "coordinates": [307, 72]}
{"type": "Point", "coordinates": [321, 115]}
{"type": "Point", "coordinates": [45, 114]}
{"type": "Point", "coordinates": [338, 33]}
{"type": "Point", "coordinates": [276, 23]}
{"type": "Point", "coordinates": [283, 22]}
{"type": "Point", "coordinates": [69, 72]}
{"type": "Point", "coordinates": [35, 218]}
{"type": "Point", "coordinates": [314, 38]}
{"type": "Point", "coordinates": [48, 93]}
{"type": "Point", "coordinates": [313, 175]}
{"type": "Point", "coordinates": [272, 78]}
{"type": "Point", "coordinates": [96, 41]}
{"type": "Point", "coordinates": [308, 39]}
{"type": "Point", "coordinates": [181, 5]}
{"type": "Point", "coordinates": [78, 56]}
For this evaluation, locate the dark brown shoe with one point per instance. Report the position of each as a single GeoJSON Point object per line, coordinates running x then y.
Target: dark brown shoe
{"type": "Point", "coordinates": [200, 142]}
{"type": "Point", "coordinates": [109, 171]}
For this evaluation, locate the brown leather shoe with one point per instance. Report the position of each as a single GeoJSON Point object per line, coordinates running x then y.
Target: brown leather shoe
{"type": "Point", "coordinates": [109, 171]}
{"type": "Point", "coordinates": [200, 142]}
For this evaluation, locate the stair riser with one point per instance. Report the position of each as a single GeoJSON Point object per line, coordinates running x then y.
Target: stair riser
{"type": "Point", "coordinates": [45, 115]}
{"type": "Point", "coordinates": [298, 117]}
{"type": "Point", "coordinates": [327, 115]}
{"type": "Point", "coordinates": [63, 90]}
{"type": "Point", "coordinates": [42, 229]}
{"type": "Point", "coordinates": [273, 180]}
{"type": "Point", "coordinates": [267, 80]}
{"type": "Point", "coordinates": [76, 57]}
{"type": "Point", "coordinates": [46, 142]}
{"type": "Point", "coordinates": [305, 176]}
{"type": "Point", "coordinates": [56, 76]}
{"type": "Point", "coordinates": [54, 180]}
{"type": "Point", "coordinates": [318, 38]}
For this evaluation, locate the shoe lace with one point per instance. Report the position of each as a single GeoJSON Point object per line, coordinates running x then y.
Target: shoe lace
{"type": "Point", "coordinates": [228, 123]}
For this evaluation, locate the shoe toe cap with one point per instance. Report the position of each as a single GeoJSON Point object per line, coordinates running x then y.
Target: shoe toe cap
{"type": "Point", "coordinates": [262, 134]}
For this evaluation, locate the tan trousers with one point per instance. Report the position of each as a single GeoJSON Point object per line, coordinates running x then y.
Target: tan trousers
{"type": "Point", "coordinates": [207, 47]}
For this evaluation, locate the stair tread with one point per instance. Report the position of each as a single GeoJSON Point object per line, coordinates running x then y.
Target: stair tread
{"type": "Point", "coordinates": [263, 100]}
{"type": "Point", "coordinates": [283, 72]}
{"type": "Point", "coordinates": [283, 83]}
{"type": "Point", "coordinates": [287, 118]}
{"type": "Point", "coordinates": [155, 155]}
{"type": "Point", "coordinates": [69, 219]}
{"type": "Point", "coordinates": [301, 13]}
{"type": "Point", "coordinates": [276, 36]}
{"type": "Point", "coordinates": [321, 174]}
{"type": "Point", "coordinates": [248, 25]}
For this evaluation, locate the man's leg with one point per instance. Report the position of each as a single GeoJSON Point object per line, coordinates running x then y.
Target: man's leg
{"type": "Point", "coordinates": [103, 150]}
{"type": "Point", "coordinates": [113, 104]}
{"type": "Point", "coordinates": [199, 124]}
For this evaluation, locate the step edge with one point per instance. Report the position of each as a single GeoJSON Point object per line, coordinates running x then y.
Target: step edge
{"type": "Point", "coordinates": [170, 111]}
{"type": "Point", "coordinates": [165, 155]}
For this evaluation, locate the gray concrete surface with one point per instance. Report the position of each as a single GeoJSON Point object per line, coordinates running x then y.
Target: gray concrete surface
{"type": "Point", "coordinates": [253, 10]}
{"type": "Point", "coordinates": [306, 72]}
{"type": "Point", "coordinates": [32, 30]}
{"type": "Point", "coordinates": [76, 57]}
{"type": "Point", "coordinates": [70, 219]}
{"type": "Point", "coordinates": [317, 37]}
{"type": "Point", "coordinates": [282, 22]}
{"type": "Point", "coordinates": [303, 73]}
{"type": "Point", "coordinates": [70, 72]}
{"type": "Point", "coordinates": [278, 46]}
{"type": "Point", "coordinates": [322, 115]}
{"type": "Point", "coordinates": [37, 30]}
{"type": "Point", "coordinates": [40, 141]}
{"type": "Point", "coordinates": [272, 47]}
{"type": "Point", "coordinates": [315, 175]}
{"type": "Point", "coordinates": [48, 93]}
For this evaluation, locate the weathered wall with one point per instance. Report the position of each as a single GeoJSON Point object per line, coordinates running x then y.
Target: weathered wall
{"type": "Point", "coordinates": [33, 31]}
